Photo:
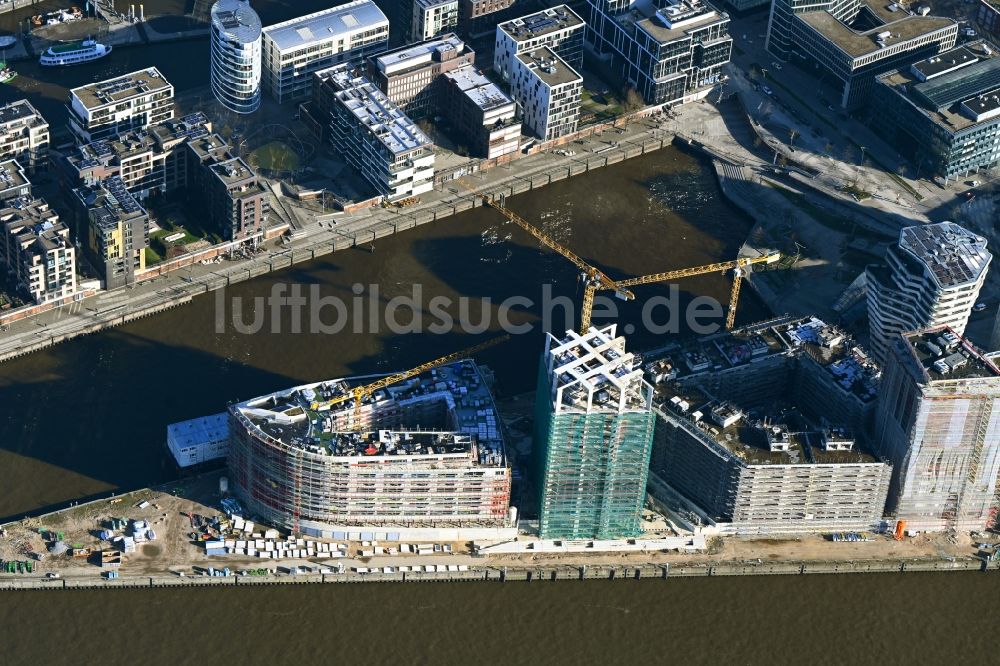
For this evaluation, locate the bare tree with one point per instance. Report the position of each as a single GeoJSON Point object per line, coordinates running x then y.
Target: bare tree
{"type": "Point", "coordinates": [633, 100]}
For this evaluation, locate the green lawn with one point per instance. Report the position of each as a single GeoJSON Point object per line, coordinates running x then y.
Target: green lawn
{"type": "Point", "coordinates": [152, 257]}
{"type": "Point", "coordinates": [275, 156]}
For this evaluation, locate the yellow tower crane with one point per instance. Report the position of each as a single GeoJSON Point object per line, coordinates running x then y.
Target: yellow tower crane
{"type": "Point", "coordinates": [359, 393]}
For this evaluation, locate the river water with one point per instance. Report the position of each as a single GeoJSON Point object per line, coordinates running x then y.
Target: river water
{"type": "Point", "coordinates": [89, 416]}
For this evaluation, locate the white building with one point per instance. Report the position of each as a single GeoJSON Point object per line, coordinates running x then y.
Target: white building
{"type": "Point", "coordinates": [558, 28]}
{"type": "Point", "coordinates": [294, 50]}
{"type": "Point", "coordinates": [116, 106]}
{"type": "Point", "coordinates": [36, 250]}
{"type": "Point", "coordinates": [199, 440]}
{"type": "Point", "coordinates": [432, 18]}
{"type": "Point", "coordinates": [548, 92]}
{"type": "Point", "coordinates": [933, 278]}
{"type": "Point", "coordinates": [374, 136]}
{"type": "Point", "coordinates": [236, 43]}
{"type": "Point", "coordinates": [24, 134]}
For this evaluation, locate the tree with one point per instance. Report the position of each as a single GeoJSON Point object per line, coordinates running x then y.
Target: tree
{"type": "Point", "coordinates": [633, 100]}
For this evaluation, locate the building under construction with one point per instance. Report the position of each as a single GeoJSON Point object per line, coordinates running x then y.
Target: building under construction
{"type": "Point", "coordinates": [427, 452]}
{"type": "Point", "coordinates": [939, 424]}
{"type": "Point", "coordinates": [762, 431]}
{"type": "Point", "coordinates": [594, 431]}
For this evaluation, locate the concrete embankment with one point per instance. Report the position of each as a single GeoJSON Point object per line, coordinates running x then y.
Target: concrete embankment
{"type": "Point", "coordinates": [513, 574]}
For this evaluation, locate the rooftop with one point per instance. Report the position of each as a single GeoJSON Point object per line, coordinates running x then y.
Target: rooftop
{"type": "Point", "coordinates": [674, 21]}
{"type": "Point", "coordinates": [20, 110]}
{"type": "Point", "coordinates": [118, 89]}
{"type": "Point", "coordinates": [484, 93]}
{"type": "Point", "coordinates": [541, 23]}
{"type": "Point", "coordinates": [944, 355]}
{"type": "Point", "coordinates": [895, 28]}
{"type": "Point", "coordinates": [953, 254]}
{"type": "Point", "coordinates": [110, 203]}
{"type": "Point", "coordinates": [549, 67]}
{"type": "Point", "coordinates": [325, 25]}
{"type": "Point", "coordinates": [467, 426]}
{"type": "Point", "coordinates": [11, 176]}
{"type": "Point", "coordinates": [420, 55]}
{"type": "Point", "coordinates": [237, 19]}
{"type": "Point", "coordinates": [233, 171]}
{"type": "Point", "coordinates": [376, 112]}
{"type": "Point", "coordinates": [155, 137]}
{"type": "Point", "coordinates": [17, 213]}
{"type": "Point", "coordinates": [427, 4]}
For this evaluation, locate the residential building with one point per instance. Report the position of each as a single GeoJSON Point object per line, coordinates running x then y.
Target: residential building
{"type": "Point", "coordinates": [236, 201]}
{"type": "Point", "coordinates": [129, 102]}
{"type": "Point", "coordinates": [593, 436]}
{"type": "Point", "coordinates": [37, 253]}
{"type": "Point", "coordinates": [558, 28]}
{"type": "Point", "coordinates": [432, 18]}
{"type": "Point", "coordinates": [548, 92]}
{"type": "Point", "coordinates": [932, 278]}
{"type": "Point", "coordinates": [13, 183]}
{"type": "Point", "coordinates": [296, 49]}
{"type": "Point", "coordinates": [669, 51]}
{"type": "Point", "coordinates": [477, 18]}
{"type": "Point", "coordinates": [410, 76]}
{"type": "Point", "coordinates": [24, 135]}
{"type": "Point", "coordinates": [117, 230]}
{"type": "Point", "coordinates": [426, 453]}
{"type": "Point", "coordinates": [943, 113]}
{"type": "Point", "coordinates": [853, 41]}
{"type": "Point", "coordinates": [373, 135]}
{"type": "Point", "coordinates": [236, 56]}
{"type": "Point", "coordinates": [939, 423]}
{"type": "Point", "coordinates": [481, 114]}
{"type": "Point", "coordinates": [763, 431]}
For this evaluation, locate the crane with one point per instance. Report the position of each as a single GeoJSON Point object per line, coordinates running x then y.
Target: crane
{"type": "Point", "coordinates": [359, 393]}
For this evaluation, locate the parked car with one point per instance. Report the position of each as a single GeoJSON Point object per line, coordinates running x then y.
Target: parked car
{"type": "Point", "coordinates": [979, 307]}
{"type": "Point", "coordinates": [767, 90]}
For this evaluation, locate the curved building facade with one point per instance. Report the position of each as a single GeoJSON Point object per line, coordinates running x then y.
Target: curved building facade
{"type": "Point", "coordinates": [236, 55]}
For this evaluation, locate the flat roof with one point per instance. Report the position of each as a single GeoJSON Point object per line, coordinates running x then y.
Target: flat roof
{"type": "Point", "coordinates": [469, 428]}
{"type": "Point", "coordinates": [325, 25]}
{"type": "Point", "coordinates": [943, 355]}
{"type": "Point", "coordinates": [419, 55]}
{"type": "Point", "coordinates": [96, 153]}
{"type": "Point", "coordinates": [549, 67]}
{"type": "Point", "coordinates": [953, 254]}
{"type": "Point", "coordinates": [480, 90]}
{"type": "Point", "coordinates": [120, 88]}
{"type": "Point", "coordinates": [232, 171]}
{"type": "Point", "coordinates": [674, 21]}
{"type": "Point", "coordinates": [20, 110]}
{"type": "Point", "coordinates": [12, 175]}
{"type": "Point", "coordinates": [901, 26]}
{"type": "Point", "coordinates": [237, 19]}
{"type": "Point", "coordinates": [949, 61]}
{"type": "Point", "coordinates": [541, 23]}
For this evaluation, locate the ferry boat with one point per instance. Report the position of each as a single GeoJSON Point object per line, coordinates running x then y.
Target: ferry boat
{"type": "Point", "coordinates": [6, 73]}
{"type": "Point", "coordinates": [73, 53]}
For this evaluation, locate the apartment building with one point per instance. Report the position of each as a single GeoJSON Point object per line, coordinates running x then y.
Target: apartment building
{"type": "Point", "coordinates": [669, 51]}
{"type": "Point", "coordinates": [236, 56]}
{"type": "Point", "coordinates": [35, 249]}
{"type": "Point", "coordinates": [117, 230]}
{"type": "Point", "coordinates": [481, 114]}
{"type": "Point", "coordinates": [478, 18]}
{"type": "Point", "coordinates": [558, 28]}
{"type": "Point", "coordinates": [548, 92]}
{"type": "Point", "coordinates": [14, 184]}
{"type": "Point", "coordinates": [931, 278]}
{"type": "Point", "coordinates": [236, 201]}
{"type": "Point", "coordinates": [943, 113]}
{"type": "Point", "coordinates": [296, 49]}
{"type": "Point", "coordinates": [432, 18]}
{"type": "Point", "coordinates": [24, 135]}
{"type": "Point", "coordinates": [129, 102]}
{"type": "Point", "coordinates": [410, 76]}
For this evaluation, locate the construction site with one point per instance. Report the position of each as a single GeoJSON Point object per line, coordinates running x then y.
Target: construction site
{"type": "Point", "coordinates": [762, 431]}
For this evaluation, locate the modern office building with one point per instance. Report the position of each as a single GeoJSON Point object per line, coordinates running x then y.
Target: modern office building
{"type": "Point", "coordinates": [236, 56]}
{"type": "Point", "coordinates": [480, 113]}
{"type": "Point", "coordinates": [24, 135]}
{"type": "Point", "coordinates": [548, 91]}
{"type": "Point", "coordinates": [932, 278]}
{"type": "Point", "coordinates": [296, 49]}
{"type": "Point", "coordinates": [428, 452]}
{"type": "Point", "coordinates": [853, 41]}
{"type": "Point", "coordinates": [14, 184]}
{"type": "Point", "coordinates": [593, 436]}
{"type": "Point", "coordinates": [943, 113]}
{"type": "Point", "coordinates": [117, 230]}
{"type": "Point", "coordinates": [373, 135]}
{"type": "Point", "coordinates": [432, 18]}
{"type": "Point", "coordinates": [129, 102]}
{"type": "Point", "coordinates": [763, 431]}
{"type": "Point", "coordinates": [669, 51]}
{"type": "Point", "coordinates": [558, 28]}
{"type": "Point", "coordinates": [35, 250]}
{"type": "Point", "coordinates": [410, 76]}
{"type": "Point", "coordinates": [939, 424]}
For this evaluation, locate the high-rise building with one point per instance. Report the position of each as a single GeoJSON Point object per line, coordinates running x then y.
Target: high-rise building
{"type": "Point", "coordinates": [593, 437]}
{"type": "Point", "coordinates": [295, 49]}
{"type": "Point", "coordinates": [236, 55]}
{"type": "Point", "coordinates": [117, 230]}
{"type": "Point", "coordinates": [432, 18]}
{"type": "Point", "coordinates": [481, 113]}
{"type": "Point", "coordinates": [932, 278]}
{"type": "Point", "coordinates": [853, 41]}
{"type": "Point", "coordinates": [35, 250]}
{"type": "Point", "coordinates": [558, 28]}
{"type": "Point", "coordinates": [939, 424]}
{"type": "Point", "coordinates": [24, 135]}
{"type": "Point", "coordinates": [548, 91]}
{"type": "Point", "coordinates": [129, 102]}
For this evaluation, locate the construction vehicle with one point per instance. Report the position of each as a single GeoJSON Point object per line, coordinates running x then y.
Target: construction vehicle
{"type": "Point", "coordinates": [900, 530]}
{"type": "Point", "coordinates": [594, 279]}
{"type": "Point", "coordinates": [359, 393]}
